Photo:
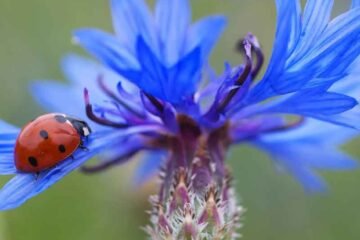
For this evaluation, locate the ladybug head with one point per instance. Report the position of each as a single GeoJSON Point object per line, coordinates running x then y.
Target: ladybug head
{"type": "Point", "coordinates": [81, 126]}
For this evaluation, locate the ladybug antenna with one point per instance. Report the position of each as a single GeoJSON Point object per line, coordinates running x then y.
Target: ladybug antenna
{"type": "Point", "coordinates": [92, 116]}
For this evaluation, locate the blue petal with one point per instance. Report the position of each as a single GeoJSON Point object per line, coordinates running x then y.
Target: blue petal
{"type": "Point", "coordinates": [346, 60]}
{"type": "Point", "coordinates": [287, 12]}
{"type": "Point", "coordinates": [299, 159]}
{"type": "Point", "coordinates": [287, 15]}
{"type": "Point", "coordinates": [314, 131]}
{"type": "Point", "coordinates": [341, 31]}
{"type": "Point", "coordinates": [298, 152]}
{"type": "Point", "coordinates": [329, 159]}
{"type": "Point", "coordinates": [119, 155]}
{"type": "Point", "coordinates": [7, 165]}
{"type": "Point", "coordinates": [348, 85]}
{"type": "Point", "coordinates": [291, 159]}
{"type": "Point", "coordinates": [149, 166]}
{"type": "Point", "coordinates": [172, 19]}
{"type": "Point", "coordinates": [55, 96]}
{"type": "Point", "coordinates": [7, 145]}
{"type": "Point", "coordinates": [316, 17]}
{"type": "Point", "coordinates": [170, 118]}
{"type": "Point", "coordinates": [59, 97]}
{"type": "Point", "coordinates": [15, 192]}
{"type": "Point", "coordinates": [304, 152]}
{"type": "Point", "coordinates": [355, 3]}
{"type": "Point", "coordinates": [153, 77]}
{"type": "Point", "coordinates": [324, 83]}
{"type": "Point", "coordinates": [312, 183]}
{"type": "Point", "coordinates": [131, 19]}
{"type": "Point", "coordinates": [184, 77]}
{"type": "Point", "coordinates": [348, 119]}
{"type": "Point", "coordinates": [296, 26]}
{"type": "Point", "coordinates": [323, 51]}
{"type": "Point", "coordinates": [204, 34]}
{"type": "Point", "coordinates": [329, 57]}
{"type": "Point", "coordinates": [309, 102]}
{"type": "Point", "coordinates": [171, 85]}
{"type": "Point", "coordinates": [108, 50]}
{"type": "Point", "coordinates": [83, 72]}
{"type": "Point", "coordinates": [68, 98]}
{"type": "Point", "coordinates": [248, 129]}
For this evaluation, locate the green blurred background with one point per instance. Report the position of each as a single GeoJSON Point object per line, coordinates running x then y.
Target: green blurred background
{"type": "Point", "coordinates": [34, 36]}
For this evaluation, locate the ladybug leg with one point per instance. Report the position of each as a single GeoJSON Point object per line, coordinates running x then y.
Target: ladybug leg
{"type": "Point", "coordinates": [82, 146]}
{"type": "Point", "coordinates": [84, 140]}
{"type": "Point", "coordinates": [81, 127]}
{"type": "Point", "coordinates": [37, 174]}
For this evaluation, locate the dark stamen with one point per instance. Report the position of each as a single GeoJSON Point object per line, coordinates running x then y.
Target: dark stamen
{"type": "Point", "coordinates": [91, 115]}
{"type": "Point", "coordinates": [112, 95]}
{"type": "Point", "coordinates": [159, 106]}
{"type": "Point", "coordinates": [242, 78]}
{"type": "Point", "coordinates": [257, 50]}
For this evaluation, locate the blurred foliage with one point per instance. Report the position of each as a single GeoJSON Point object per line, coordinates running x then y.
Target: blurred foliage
{"type": "Point", "coordinates": [34, 36]}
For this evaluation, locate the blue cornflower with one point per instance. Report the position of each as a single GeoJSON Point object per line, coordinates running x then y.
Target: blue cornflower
{"type": "Point", "coordinates": [148, 96]}
{"type": "Point", "coordinates": [155, 52]}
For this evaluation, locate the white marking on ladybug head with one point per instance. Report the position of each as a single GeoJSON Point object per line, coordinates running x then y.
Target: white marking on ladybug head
{"type": "Point", "coordinates": [86, 131]}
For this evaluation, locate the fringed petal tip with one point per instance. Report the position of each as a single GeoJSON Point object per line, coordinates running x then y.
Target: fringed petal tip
{"type": "Point", "coordinates": [299, 155]}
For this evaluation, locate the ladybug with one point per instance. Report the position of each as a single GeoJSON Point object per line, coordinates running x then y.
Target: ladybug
{"type": "Point", "coordinates": [47, 141]}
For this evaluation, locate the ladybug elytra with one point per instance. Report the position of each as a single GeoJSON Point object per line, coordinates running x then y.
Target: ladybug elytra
{"type": "Point", "coordinates": [48, 140]}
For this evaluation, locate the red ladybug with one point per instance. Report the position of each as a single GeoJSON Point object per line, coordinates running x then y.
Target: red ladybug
{"type": "Point", "coordinates": [48, 140]}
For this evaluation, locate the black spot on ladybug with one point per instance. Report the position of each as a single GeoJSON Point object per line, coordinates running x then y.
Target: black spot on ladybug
{"type": "Point", "coordinates": [60, 118]}
{"type": "Point", "coordinates": [62, 148]}
{"type": "Point", "coordinates": [44, 134]}
{"type": "Point", "coordinates": [33, 162]}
